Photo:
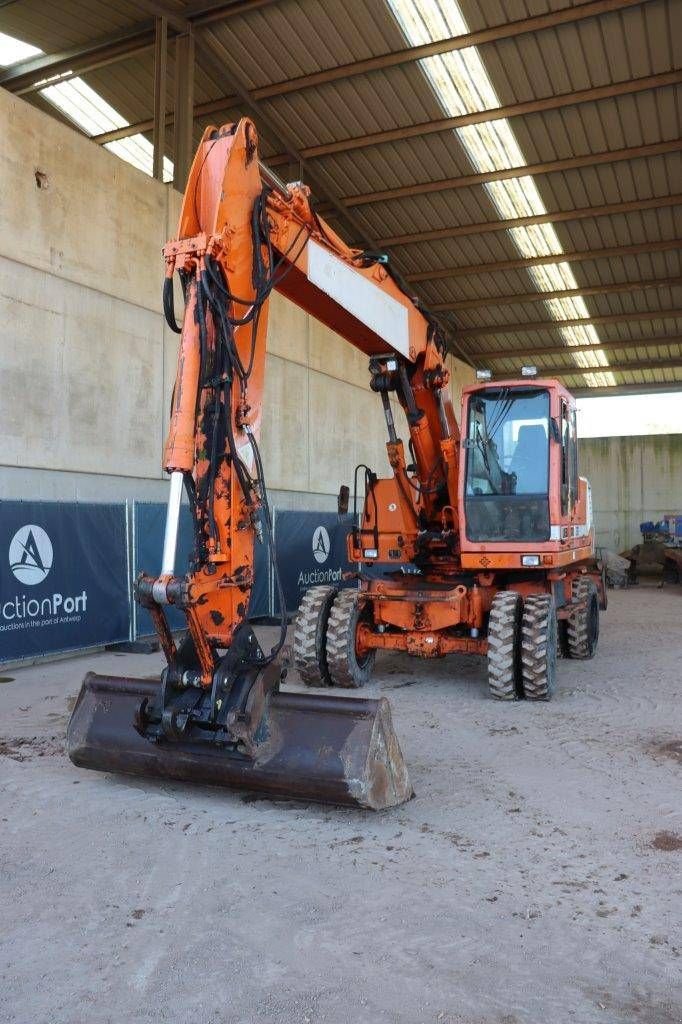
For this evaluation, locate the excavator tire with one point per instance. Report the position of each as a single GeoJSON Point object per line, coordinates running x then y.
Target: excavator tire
{"type": "Point", "coordinates": [310, 636]}
{"type": "Point", "coordinates": [504, 635]}
{"type": "Point", "coordinates": [538, 647]}
{"type": "Point", "coordinates": [346, 668]}
{"type": "Point", "coordinates": [582, 632]}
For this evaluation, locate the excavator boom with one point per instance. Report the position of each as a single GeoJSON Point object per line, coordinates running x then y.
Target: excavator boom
{"type": "Point", "coordinates": [217, 714]}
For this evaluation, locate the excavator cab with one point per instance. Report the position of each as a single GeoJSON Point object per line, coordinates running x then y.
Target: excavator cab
{"type": "Point", "coordinates": [506, 491]}
{"type": "Point", "coordinates": [521, 496]}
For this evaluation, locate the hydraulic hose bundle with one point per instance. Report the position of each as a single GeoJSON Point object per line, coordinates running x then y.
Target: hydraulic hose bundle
{"type": "Point", "coordinates": [220, 367]}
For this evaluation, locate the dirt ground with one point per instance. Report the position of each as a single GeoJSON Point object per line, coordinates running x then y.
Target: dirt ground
{"type": "Point", "coordinates": [534, 879]}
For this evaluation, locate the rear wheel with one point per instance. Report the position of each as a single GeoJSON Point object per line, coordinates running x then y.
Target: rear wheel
{"type": "Point", "coordinates": [346, 667]}
{"type": "Point", "coordinates": [504, 633]}
{"type": "Point", "coordinates": [310, 636]}
{"type": "Point", "coordinates": [538, 647]}
{"type": "Point", "coordinates": [582, 630]}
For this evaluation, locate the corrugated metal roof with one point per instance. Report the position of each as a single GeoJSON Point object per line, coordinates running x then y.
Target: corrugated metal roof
{"type": "Point", "coordinates": [284, 40]}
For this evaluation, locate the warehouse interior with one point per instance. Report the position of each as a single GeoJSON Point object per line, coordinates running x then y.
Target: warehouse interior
{"type": "Point", "coordinates": [517, 166]}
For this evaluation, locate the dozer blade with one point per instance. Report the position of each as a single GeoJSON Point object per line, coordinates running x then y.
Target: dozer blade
{"type": "Point", "coordinates": [338, 750]}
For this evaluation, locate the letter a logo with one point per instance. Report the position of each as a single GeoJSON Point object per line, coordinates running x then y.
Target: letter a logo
{"type": "Point", "coordinates": [321, 545]}
{"type": "Point", "coordinates": [30, 555]}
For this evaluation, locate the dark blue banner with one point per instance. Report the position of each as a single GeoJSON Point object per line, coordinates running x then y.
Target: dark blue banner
{"type": "Point", "coordinates": [149, 524]}
{"type": "Point", "coordinates": [311, 551]}
{"type": "Point", "coordinates": [260, 594]}
{"type": "Point", "coordinates": [63, 577]}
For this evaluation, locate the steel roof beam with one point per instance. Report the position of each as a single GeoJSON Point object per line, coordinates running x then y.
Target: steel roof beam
{"type": "Point", "coordinates": [523, 263]}
{"type": "Point", "coordinates": [160, 76]}
{"type": "Point", "coordinates": [224, 103]}
{"type": "Point", "coordinates": [524, 170]}
{"type": "Point", "coordinates": [200, 110]}
{"type": "Point", "coordinates": [446, 124]}
{"type": "Point", "coordinates": [508, 30]}
{"type": "Point", "coordinates": [198, 14]}
{"type": "Point", "coordinates": [555, 217]}
{"type": "Point", "coordinates": [582, 371]}
{"type": "Point", "coordinates": [29, 75]}
{"type": "Point", "coordinates": [655, 387]}
{"type": "Point", "coordinates": [408, 55]}
{"type": "Point", "coordinates": [209, 14]}
{"type": "Point", "coordinates": [32, 74]}
{"type": "Point", "coordinates": [567, 293]}
{"type": "Point", "coordinates": [555, 325]}
{"type": "Point", "coordinates": [529, 351]}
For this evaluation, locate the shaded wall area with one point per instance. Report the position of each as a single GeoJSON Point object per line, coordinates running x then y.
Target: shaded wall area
{"type": "Point", "coordinates": [87, 363]}
{"type": "Point", "coordinates": [633, 479]}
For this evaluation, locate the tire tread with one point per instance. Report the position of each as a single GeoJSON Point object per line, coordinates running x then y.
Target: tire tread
{"type": "Point", "coordinates": [310, 654]}
{"type": "Point", "coordinates": [577, 628]}
{"type": "Point", "coordinates": [503, 642]}
{"type": "Point", "coordinates": [344, 669]}
{"type": "Point", "coordinates": [538, 646]}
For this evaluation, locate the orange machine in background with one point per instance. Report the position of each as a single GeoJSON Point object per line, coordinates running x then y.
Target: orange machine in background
{"type": "Point", "coordinates": [493, 525]}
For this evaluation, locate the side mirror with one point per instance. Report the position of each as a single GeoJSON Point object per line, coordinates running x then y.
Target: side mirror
{"type": "Point", "coordinates": [555, 430]}
{"type": "Point", "coordinates": [343, 499]}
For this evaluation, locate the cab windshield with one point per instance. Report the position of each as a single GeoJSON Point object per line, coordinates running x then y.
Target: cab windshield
{"type": "Point", "coordinates": [507, 470]}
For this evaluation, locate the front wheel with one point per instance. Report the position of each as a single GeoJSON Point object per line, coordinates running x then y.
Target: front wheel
{"type": "Point", "coordinates": [504, 636]}
{"type": "Point", "coordinates": [346, 667]}
{"type": "Point", "coordinates": [310, 636]}
{"type": "Point", "coordinates": [538, 647]}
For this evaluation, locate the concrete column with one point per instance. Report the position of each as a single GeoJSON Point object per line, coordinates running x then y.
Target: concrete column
{"type": "Point", "coordinates": [184, 107]}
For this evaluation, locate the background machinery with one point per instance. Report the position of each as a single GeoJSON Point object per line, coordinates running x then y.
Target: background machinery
{"type": "Point", "coordinates": [495, 527]}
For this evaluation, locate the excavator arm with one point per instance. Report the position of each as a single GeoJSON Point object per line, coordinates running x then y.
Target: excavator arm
{"type": "Point", "coordinates": [218, 714]}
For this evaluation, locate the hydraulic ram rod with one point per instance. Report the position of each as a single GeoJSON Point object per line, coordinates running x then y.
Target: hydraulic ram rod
{"type": "Point", "coordinates": [170, 540]}
{"type": "Point", "coordinates": [273, 180]}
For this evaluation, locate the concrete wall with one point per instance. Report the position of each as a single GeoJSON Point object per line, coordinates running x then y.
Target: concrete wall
{"type": "Point", "coordinates": [87, 363]}
{"type": "Point", "coordinates": [633, 479]}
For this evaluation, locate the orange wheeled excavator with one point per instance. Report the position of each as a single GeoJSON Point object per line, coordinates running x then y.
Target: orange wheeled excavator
{"type": "Point", "coordinates": [495, 528]}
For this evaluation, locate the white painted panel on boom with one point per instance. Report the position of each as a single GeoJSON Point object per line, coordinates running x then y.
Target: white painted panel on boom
{"type": "Point", "coordinates": [364, 300]}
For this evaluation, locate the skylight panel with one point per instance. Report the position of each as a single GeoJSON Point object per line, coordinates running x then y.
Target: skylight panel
{"type": "Point", "coordinates": [139, 152]}
{"type": "Point", "coordinates": [84, 106]}
{"type": "Point", "coordinates": [94, 115]}
{"type": "Point", "coordinates": [461, 83]}
{"type": "Point", "coordinates": [13, 51]}
{"type": "Point", "coordinates": [426, 23]}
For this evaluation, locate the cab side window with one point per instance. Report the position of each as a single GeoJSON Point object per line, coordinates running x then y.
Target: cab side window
{"type": "Point", "coordinates": [569, 459]}
{"type": "Point", "coordinates": [574, 454]}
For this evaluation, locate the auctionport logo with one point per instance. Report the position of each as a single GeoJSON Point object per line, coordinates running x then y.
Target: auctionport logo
{"type": "Point", "coordinates": [30, 555]}
{"type": "Point", "coordinates": [31, 558]}
{"type": "Point", "coordinates": [321, 545]}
